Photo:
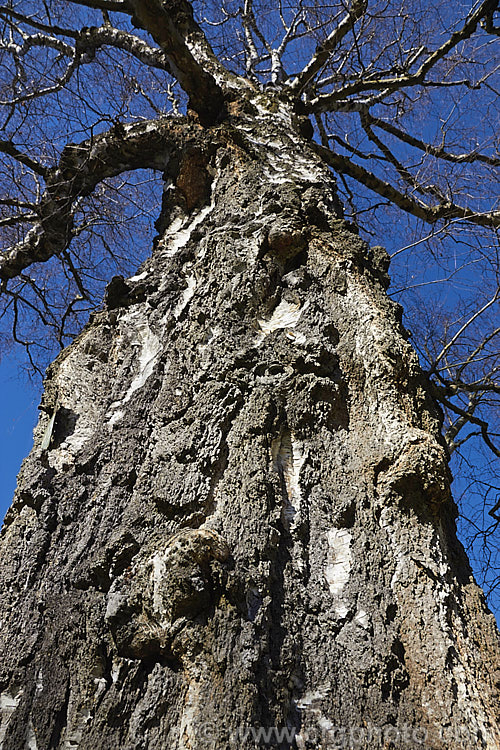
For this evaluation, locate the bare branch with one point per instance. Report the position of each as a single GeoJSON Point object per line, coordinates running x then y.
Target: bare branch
{"type": "Point", "coordinates": [8, 148]}
{"type": "Point", "coordinates": [392, 83]}
{"type": "Point", "coordinates": [37, 40]}
{"type": "Point", "coordinates": [467, 323]}
{"type": "Point", "coordinates": [118, 6]}
{"type": "Point", "coordinates": [87, 40]}
{"type": "Point", "coordinates": [60, 83]}
{"type": "Point", "coordinates": [185, 53]}
{"type": "Point", "coordinates": [438, 152]}
{"type": "Point", "coordinates": [402, 171]}
{"type": "Point", "coordinates": [7, 13]}
{"type": "Point", "coordinates": [92, 39]}
{"type": "Point", "coordinates": [192, 62]}
{"type": "Point", "coordinates": [473, 356]}
{"type": "Point", "coordinates": [324, 50]}
{"type": "Point", "coordinates": [250, 28]}
{"type": "Point", "coordinates": [468, 417]}
{"type": "Point", "coordinates": [488, 24]}
{"type": "Point", "coordinates": [411, 205]}
{"type": "Point", "coordinates": [81, 168]}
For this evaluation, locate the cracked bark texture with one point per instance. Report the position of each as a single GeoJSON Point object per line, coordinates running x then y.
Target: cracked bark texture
{"type": "Point", "coordinates": [237, 509]}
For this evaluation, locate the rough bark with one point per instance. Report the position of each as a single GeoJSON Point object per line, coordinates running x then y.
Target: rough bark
{"type": "Point", "coordinates": [237, 510]}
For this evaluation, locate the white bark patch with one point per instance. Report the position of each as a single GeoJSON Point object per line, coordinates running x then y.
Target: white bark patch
{"type": "Point", "coordinates": [312, 697]}
{"type": "Point", "coordinates": [296, 337]}
{"type": "Point", "coordinates": [187, 296]}
{"type": "Point", "coordinates": [310, 702]}
{"type": "Point", "coordinates": [116, 417]}
{"type": "Point", "coordinates": [285, 315]}
{"type": "Point", "coordinates": [150, 349]}
{"type": "Point", "coordinates": [285, 165]}
{"type": "Point", "coordinates": [212, 336]}
{"type": "Point", "coordinates": [420, 567]}
{"type": "Point", "coordinates": [114, 604]}
{"type": "Point", "coordinates": [48, 433]}
{"type": "Point", "coordinates": [285, 162]}
{"type": "Point", "coordinates": [31, 736]}
{"type": "Point", "coordinates": [76, 394]}
{"type": "Point", "coordinates": [172, 240]}
{"type": "Point", "coordinates": [338, 564]}
{"type": "Point", "coordinates": [159, 574]}
{"type": "Point", "coordinates": [326, 724]}
{"type": "Point", "coordinates": [76, 390]}
{"type": "Point", "coordinates": [139, 276]}
{"type": "Point", "coordinates": [8, 704]}
{"type": "Point", "coordinates": [279, 112]}
{"type": "Point", "coordinates": [74, 734]}
{"type": "Point", "coordinates": [179, 232]}
{"type": "Point", "coordinates": [140, 335]}
{"type": "Point", "coordinates": [362, 618]}
{"type": "Point", "coordinates": [101, 687]}
{"type": "Point", "coordinates": [410, 559]}
{"type": "Point", "coordinates": [375, 339]}
{"type": "Point", "coordinates": [342, 612]}
{"type": "Point", "coordinates": [288, 457]}
{"type": "Point", "coordinates": [116, 669]}
{"type": "Point", "coordinates": [190, 711]}
{"type": "Point", "coordinates": [284, 168]}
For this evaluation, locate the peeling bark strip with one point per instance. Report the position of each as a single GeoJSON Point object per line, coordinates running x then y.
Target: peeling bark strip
{"type": "Point", "coordinates": [236, 521]}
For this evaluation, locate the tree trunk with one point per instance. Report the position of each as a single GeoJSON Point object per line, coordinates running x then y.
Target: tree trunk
{"type": "Point", "coordinates": [235, 529]}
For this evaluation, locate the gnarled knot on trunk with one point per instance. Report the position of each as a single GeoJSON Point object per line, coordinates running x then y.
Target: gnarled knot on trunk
{"type": "Point", "coordinates": [420, 471]}
{"type": "Point", "coordinates": [167, 587]}
{"type": "Point", "coordinates": [286, 237]}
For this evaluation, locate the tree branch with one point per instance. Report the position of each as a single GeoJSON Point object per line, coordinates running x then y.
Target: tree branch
{"type": "Point", "coordinates": [411, 205]}
{"type": "Point", "coordinates": [87, 40]}
{"type": "Point", "coordinates": [467, 323]}
{"type": "Point", "coordinates": [8, 148]}
{"type": "Point", "coordinates": [172, 26]}
{"type": "Point", "coordinates": [326, 102]}
{"type": "Point", "coordinates": [402, 171]}
{"type": "Point", "coordinates": [81, 167]}
{"type": "Point", "coordinates": [7, 13]}
{"type": "Point", "coordinates": [468, 416]}
{"type": "Point", "coordinates": [438, 152]}
{"type": "Point", "coordinates": [118, 6]}
{"type": "Point", "coordinates": [92, 39]}
{"type": "Point", "coordinates": [185, 52]}
{"type": "Point", "coordinates": [324, 50]}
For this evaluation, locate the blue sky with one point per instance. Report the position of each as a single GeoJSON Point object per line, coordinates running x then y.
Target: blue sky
{"type": "Point", "coordinates": [18, 417]}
